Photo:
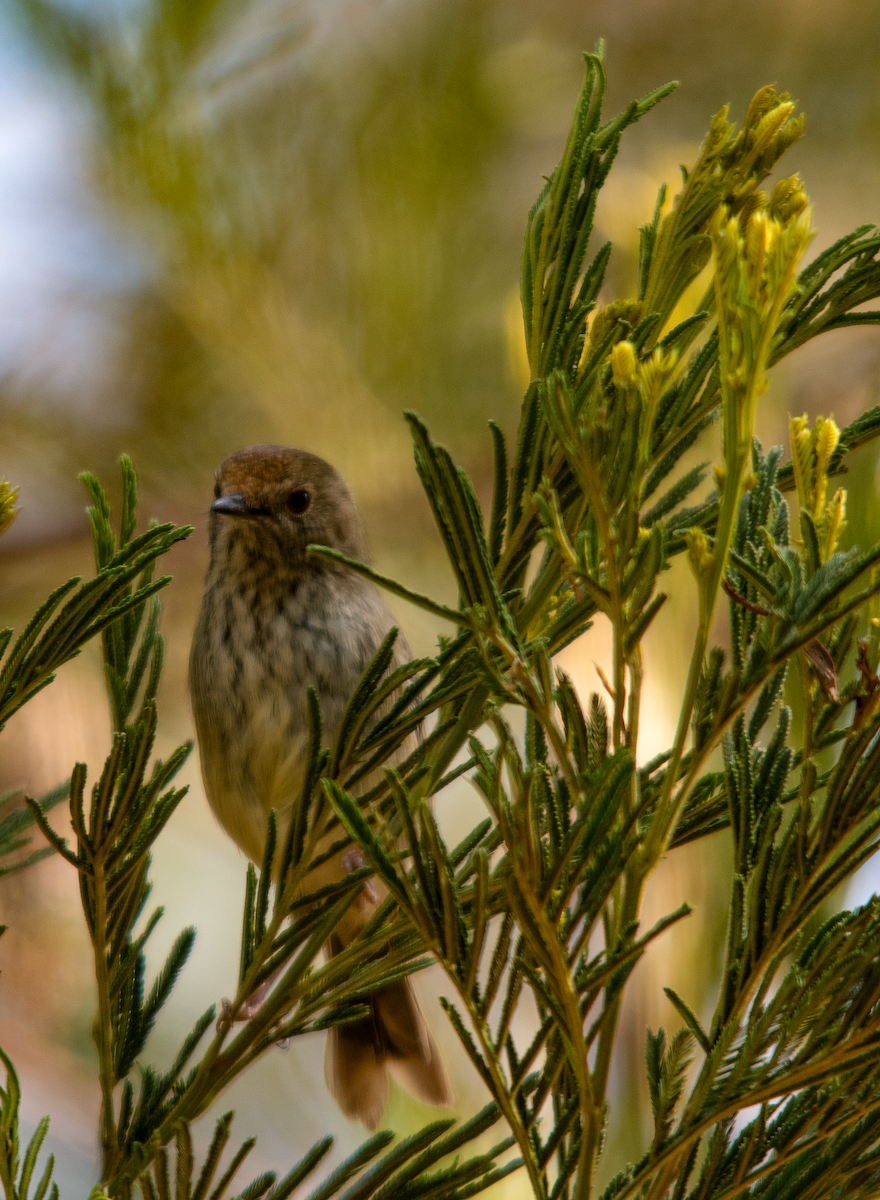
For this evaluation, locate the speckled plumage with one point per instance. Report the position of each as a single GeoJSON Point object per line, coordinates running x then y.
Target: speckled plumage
{"type": "Point", "coordinates": [273, 623]}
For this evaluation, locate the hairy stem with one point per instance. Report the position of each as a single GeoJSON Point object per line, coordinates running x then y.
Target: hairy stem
{"type": "Point", "coordinates": [103, 1029]}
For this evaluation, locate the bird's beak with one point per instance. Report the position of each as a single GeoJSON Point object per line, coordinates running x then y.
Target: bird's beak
{"type": "Point", "coordinates": [233, 506]}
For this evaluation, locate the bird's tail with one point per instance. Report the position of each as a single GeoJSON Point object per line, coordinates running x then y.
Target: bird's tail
{"type": "Point", "coordinates": [393, 1038]}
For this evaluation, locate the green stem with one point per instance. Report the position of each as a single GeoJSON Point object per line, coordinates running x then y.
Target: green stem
{"type": "Point", "coordinates": [103, 1031]}
{"type": "Point", "coordinates": [629, 910]}
{"type": "Point", "coordinates": [634, 711]}
{"type": "Point", "coordinates": [593, 488]}
{"type": "Point", "coordinates": [503, 1098]}
{"type": "Point", "coordinates": [573, 1034]}
{"type": "Point", "coordinates": [668, 806]}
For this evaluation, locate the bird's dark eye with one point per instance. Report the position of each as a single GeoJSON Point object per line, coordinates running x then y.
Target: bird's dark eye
{"type": "Point", "coordinates": [217, 491]}
{"type": "Point", "coordinates": [299, 500]}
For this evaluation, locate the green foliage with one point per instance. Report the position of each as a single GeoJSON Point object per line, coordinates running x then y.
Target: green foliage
{"type": "Point", "coordinates": [8, 497]}
{"type": "Point", "coordinates": [281, 936]}
{"type": "Point", "coordinates": [575, 829]}
{"type": "Point", "coordinates": [536, 916]}
{"type": "Point", "coordinates": [14, 824]}
{"type": "Point", "coordinates": [92, 608]}
{"type": "Point", "coordinates": [17, 1177]}
{"type": "Point", "coordinates": [403, 1172]}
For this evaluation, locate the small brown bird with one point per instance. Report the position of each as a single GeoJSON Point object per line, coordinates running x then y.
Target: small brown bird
{"type": "Point", "coordinates": [273, 623]}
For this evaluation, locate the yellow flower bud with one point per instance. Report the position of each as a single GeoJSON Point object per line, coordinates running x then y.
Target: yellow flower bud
{"type": "Point", "coordinates": [826, 435]}
{"type": "Point", "coordinates": [8, 496]}
{"type": "Point", "coordinates": [624, 364]}
{"type": "Point", "coordinates": [834, 520]}
{"type": "Point", "coordinates": [699, 552]}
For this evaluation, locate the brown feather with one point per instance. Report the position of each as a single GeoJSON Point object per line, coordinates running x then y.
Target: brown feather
{"type": "Point", "coordinates": [273, 623]}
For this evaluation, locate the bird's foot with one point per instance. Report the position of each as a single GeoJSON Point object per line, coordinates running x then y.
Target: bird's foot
{"type": "Point", "coordinates": [352, 860]}
{"type": "Point", "coordinates": [247, 1010]}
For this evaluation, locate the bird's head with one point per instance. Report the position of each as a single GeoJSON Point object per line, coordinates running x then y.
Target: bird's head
{"type": "Point", "coordinates": [272, 502]}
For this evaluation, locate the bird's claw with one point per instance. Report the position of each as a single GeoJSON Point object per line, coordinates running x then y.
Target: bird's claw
{"type": "Point", "coordinates": [352, 860]}
{"type": "Point", "coordinates": [247, 1010]}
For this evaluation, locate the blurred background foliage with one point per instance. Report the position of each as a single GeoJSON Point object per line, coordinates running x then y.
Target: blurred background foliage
{"type": "Point", "coordinates": [286, 220]}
